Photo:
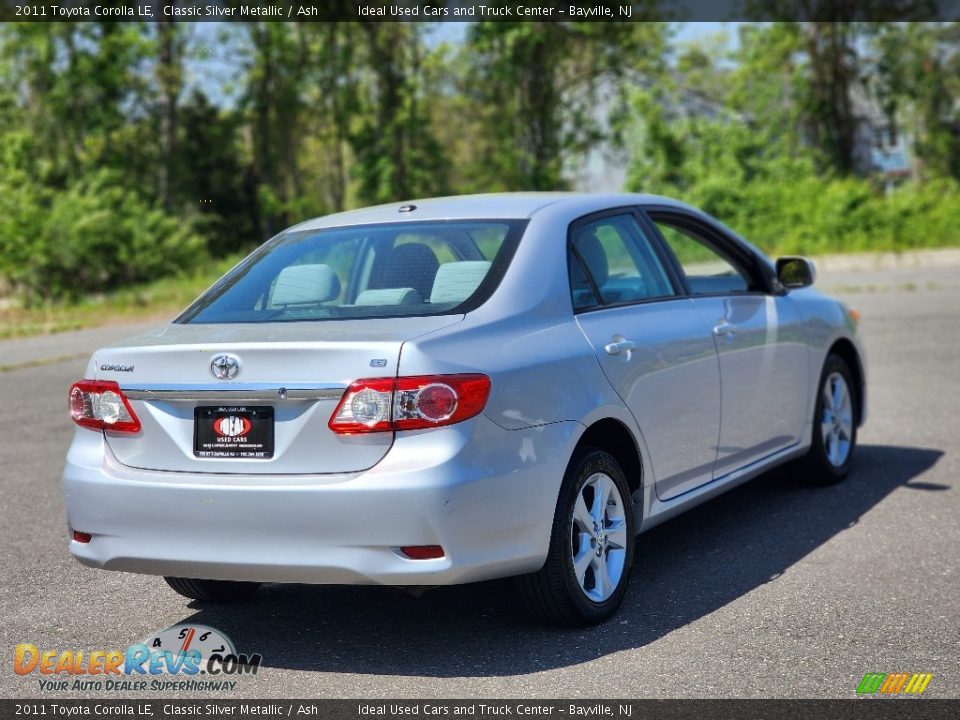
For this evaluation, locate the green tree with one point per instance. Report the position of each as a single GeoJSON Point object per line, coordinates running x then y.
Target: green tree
{"type": "Point", "coordinates": [277, 71]}
{"type": "Point", "coordinates": [335, 95]}
{"type": "Point", "coordinates": [917, 81]}
{"type": "Point", "coordinates": [396, 153]}
{"type": "Point", "coordinates": [215, 186]}
{"type": "Point", "coordinates": [169, 78]}
{"type": "Point", "coordinates": [536, 87]}
{"type": "Point", "coordinates": [76, 151]}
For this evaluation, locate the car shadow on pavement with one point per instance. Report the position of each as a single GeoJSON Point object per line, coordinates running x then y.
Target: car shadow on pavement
{"type": "Point", "coordinates": [685, 569]}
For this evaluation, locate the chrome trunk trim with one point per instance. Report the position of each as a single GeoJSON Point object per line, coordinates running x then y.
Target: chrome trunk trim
{"type": "Point", "coordinates": [236, 393]}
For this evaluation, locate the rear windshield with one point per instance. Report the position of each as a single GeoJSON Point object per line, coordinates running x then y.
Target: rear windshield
{"type": "Point", "coordinates": [364, 271]}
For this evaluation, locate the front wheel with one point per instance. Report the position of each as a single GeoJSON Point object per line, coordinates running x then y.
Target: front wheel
{"type": "Point", "coordinates": [220, 591]}
{"type": "Point", "coordinates": [591, 546]}
{"type": "Point", "coordinates": [834, 425]}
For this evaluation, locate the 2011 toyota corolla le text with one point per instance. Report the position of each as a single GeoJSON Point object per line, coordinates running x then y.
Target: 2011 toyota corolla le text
{"type": "Point", "coordinates": [455, 390]}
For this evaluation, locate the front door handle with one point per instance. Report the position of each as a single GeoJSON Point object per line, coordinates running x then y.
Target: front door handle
{"type": "Point", "coordinates": [725, 329]}
{"type": "Point", "coordinates": [620, 346]}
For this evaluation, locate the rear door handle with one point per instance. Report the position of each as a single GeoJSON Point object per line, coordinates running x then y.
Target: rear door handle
{"type": "Point", "coordinates": [725, 328]}
{"type": "Point", "coordinates": [620, 346]}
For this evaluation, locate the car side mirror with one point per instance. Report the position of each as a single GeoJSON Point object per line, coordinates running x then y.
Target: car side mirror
{"type": "Point", "coordinates": [796, 272]}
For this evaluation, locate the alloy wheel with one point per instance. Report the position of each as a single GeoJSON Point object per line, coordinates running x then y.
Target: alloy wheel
{"type": "Point", "coordinates": [599, 537]}
{"type": "Point", "coordinates": [836, 422]}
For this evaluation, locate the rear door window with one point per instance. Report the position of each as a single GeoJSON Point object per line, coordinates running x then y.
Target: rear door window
{"type": "Point", "coordinates": [613, 262]}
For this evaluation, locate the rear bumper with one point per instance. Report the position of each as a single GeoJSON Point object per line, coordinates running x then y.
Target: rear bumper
{"type": "Point", "coordinates": [486, 495]}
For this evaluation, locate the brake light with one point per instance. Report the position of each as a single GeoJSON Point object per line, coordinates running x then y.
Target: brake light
{"type": "Point", "coordinates": [409, 403]}
{"type": "Point", "coordinates": [101, 405]}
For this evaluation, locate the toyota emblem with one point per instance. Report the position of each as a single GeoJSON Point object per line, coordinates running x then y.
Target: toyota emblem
{"type": "Point", "coordinates": [225, 367]}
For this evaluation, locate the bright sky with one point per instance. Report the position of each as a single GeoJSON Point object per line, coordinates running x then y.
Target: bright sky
{"type": "Point", "coordinates": [691, 32]}
{"type": "Point", "coordinates": [688, 32]}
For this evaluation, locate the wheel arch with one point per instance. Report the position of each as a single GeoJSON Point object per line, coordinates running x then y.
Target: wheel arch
{"type": "Point", "coordinates": [615, 438]}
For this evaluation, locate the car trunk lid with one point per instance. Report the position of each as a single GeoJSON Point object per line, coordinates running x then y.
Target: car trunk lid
{"type": "Point", "coordinates": [271, 416]}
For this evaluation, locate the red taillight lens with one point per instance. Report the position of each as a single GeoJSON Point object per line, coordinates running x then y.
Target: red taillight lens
{"type": "Point", "coordinates": [82, 537]}
{"type": "Point", "coordinates": [101, 405]}
{"type": "Point", "coordinates": [435, 402]}
{"type": "Point", "coordinates": [409, 403]}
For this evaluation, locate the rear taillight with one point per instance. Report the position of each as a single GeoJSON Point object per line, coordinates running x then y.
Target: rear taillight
{"type": "Point", "coordinates": [409, 403]}
{"type": "Point", "coordinates": [101, 405]}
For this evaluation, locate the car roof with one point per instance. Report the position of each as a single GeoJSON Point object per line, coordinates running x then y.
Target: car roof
{"type": "Point", "coordinates": [499, 206]}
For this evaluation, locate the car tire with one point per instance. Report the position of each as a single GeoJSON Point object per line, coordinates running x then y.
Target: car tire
{"type": "Point", "coordinates": [587, 570]}
{"type": "Point", "coordinates": [834, 426]}
{"type": "Point", "coordinates": [220, 591]}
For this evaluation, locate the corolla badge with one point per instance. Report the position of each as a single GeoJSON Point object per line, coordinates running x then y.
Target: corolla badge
{"type": "Point", "coordinates": [225, 367]}
{"type": "Point", "coordinates": [112, 367]}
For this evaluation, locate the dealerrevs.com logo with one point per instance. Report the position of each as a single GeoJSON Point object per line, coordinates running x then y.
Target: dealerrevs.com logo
{"type": "Point", "coordinates": [182, 657]}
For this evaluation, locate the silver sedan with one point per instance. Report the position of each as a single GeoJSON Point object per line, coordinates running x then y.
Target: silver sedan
{"type": "Point", "coordinates": [459, 389]}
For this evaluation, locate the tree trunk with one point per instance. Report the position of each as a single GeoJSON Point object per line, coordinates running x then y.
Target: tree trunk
{"type": "Point", "coordinates": [263, 122]}
{"type": "Point", "coordinates": [169, 82]}
{"type": "Point", "coordinates": [833, 123]}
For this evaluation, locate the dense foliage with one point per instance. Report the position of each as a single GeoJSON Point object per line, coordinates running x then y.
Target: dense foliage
{"type": "Point", "coordinates": [133, 150]}
{"type": "Point", "coordinates": [765, 152]}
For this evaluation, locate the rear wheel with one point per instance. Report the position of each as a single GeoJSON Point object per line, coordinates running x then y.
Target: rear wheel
{"type": "Point", "coordinates": [591, 546]}
{"type": "Point", "coordinates": [834, 425]}
{"type": "Point", "coordinates": [212, 590]}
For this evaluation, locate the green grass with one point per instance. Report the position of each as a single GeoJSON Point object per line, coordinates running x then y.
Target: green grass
{"type": "Point", "coordinates": [158, 300]}
{"type": "Point", "coordinates": [40, 362]}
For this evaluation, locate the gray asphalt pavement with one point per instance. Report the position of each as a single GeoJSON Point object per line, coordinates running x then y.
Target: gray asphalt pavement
{"type": "Point", "coordinates": [773, 590]}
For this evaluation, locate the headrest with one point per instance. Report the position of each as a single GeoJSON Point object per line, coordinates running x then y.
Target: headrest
{"type": "Point", "coordinates": [410, 265]}
{"type": "Point", "coordinates": [389, 296]}
{"type": "Point", "coordinates": [300, 284]}
{"type": "Point", "coordinates": [595, 257]}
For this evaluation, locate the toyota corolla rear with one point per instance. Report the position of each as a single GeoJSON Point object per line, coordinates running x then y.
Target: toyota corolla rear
{"type": "Point", "coordinates": [270, 433]}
